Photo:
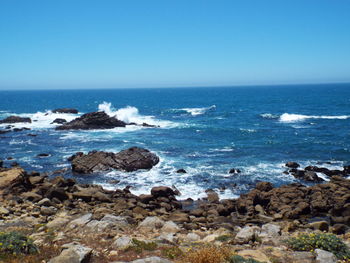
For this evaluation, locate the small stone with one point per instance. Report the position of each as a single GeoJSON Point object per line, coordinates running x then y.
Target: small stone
{"type": "Point", "coordinates": [4, 211]}
{"type": "Point", "coordinates": [319, 225]}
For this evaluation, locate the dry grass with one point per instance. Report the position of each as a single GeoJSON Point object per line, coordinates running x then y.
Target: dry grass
{"type": "Point", "coordinates": [208, 254]}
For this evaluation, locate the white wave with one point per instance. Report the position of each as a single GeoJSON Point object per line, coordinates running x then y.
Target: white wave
{"type": "Point", "coordinates": [131, 114]}
{"type": "Point", "coordinates": [287, 117]}
{"type": "Point", "coordinates": [269, 116]}
{"type": "Point", "coordinates": [197, 111]}
{"type": "Point", "coordinates": [247, 130]}
{"type": "Point", "coordinates": [41, 120]}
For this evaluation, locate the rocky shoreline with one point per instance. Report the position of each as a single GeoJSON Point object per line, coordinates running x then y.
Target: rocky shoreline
{"type": "Point", "coordinates": [259, 219]}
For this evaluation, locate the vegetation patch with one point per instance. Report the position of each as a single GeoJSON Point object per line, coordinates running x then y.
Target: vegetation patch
{"type": "Point", "coordinates": [240, 259]}
{"type": "Point", "coordinates": [208, 254]}
{"type": "Point", "coordinates": [139, 246]}
{"type": "Point", "coordinates": [325, 241]}
{"type": "Point", "coordinates": [172, 252]}
{"type": "Point", "coordinates": [15, 243]}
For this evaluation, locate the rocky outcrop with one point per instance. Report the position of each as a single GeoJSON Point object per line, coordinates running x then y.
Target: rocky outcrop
{"type": "Point", "coordinates": [15, 119]}
{"type": "Point", "coordinates": [298, 201]}
{"type": "Point", "coordinates": [58, 121]}
{"type": "Point", "coordinates": [65, 110]}
{"type": "Point", "coordinates": [92, 120]}
{"type": "Point", "coordinates": [129, 160]}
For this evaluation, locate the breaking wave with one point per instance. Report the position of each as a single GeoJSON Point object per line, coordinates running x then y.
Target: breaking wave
{"type": "Point", "coordinates": [287, 117]}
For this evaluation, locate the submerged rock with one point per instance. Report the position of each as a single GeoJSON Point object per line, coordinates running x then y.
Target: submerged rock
{"type": "Point", "coordinates": [129, 160]}
{"type": "Point", "coordinates": [65, 110]}
{"type": "Point", "coordinates": [15, 119]}
{"type": "Point", "coordinates": [92, 120]}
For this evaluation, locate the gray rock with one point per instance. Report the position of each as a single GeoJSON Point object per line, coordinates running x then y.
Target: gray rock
{"type": "Point", "coordinates": [246, 234]}
{"type": "Point", "coordinates": [303, 257]}
{"type": "Point", "coordinates": [81, 221]}
{"type": "Point", "coordinates": [151, 222]}
{"type": "Point", "coordinates": [270, 230]}
{"type": "Point", "coordinates": [151, 260]}
{"type": "Point", "coordinates": [73, 253]}
{"type": "Point", "coordinates": [48, 211]}
{"type": "Point", "coordinates": [192, 237]}
{"type": "Point", "coordinates": [122, 242]}
{"type": "Point", "coordinates": [323, 256]}
{"type": "Point", "coordinates": [57, 222]}
{"type": "Point", "coordinates": [168, 238]}
{"type": "Point", "coordinates": [45, 202]}
{"type": "Point", "coordinates": [128, 160]}
{"type": "Point", "coordinates": [4, 211]}
{"type": "Point", "coordinates": [170, 227]}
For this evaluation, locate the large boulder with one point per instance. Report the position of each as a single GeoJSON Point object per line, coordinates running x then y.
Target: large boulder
{"type": "Point", "coordinates": [129, 160]}
{"type": "Point", "coordinates": [65, 110]}
{"type": "Point", "coordinates": [11, 177]}
{"type": "Point", "coordinates": [15, 119]}
{"type": "Point", "coordinates": [92, 120]}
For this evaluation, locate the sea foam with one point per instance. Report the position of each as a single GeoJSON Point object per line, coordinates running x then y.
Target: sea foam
{"type": "Point", "coordinates": [197, 111]}
{"type": "Point", "coordinates": [287, 117]}
{"type": "Point", "coordinates": [131, 114]}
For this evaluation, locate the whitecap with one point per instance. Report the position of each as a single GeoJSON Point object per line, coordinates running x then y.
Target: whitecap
{"type": "Point", "coordinates": [247, 130]}
{"type": "Point", "coordinates": [131, 114]}
{"type": "Point", "coordinates": [197, 111]}
{"type": "Point", "coordinates": [269, 116]}
{"type": "Point", "coordinates": [288, 117]}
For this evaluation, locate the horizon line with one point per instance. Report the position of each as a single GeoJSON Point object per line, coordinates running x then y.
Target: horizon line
{"type": "Point", "coordinates": [110, 87]}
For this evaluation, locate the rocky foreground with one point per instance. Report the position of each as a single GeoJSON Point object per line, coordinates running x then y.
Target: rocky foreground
{"type": "Point", "coordinates": [72, 222]}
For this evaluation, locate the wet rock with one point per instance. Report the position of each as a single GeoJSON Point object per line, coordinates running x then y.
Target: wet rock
{"type": "Point", "coordinates": [234, 171]}
{"type": "Point", "coordinates": [65, 110]}
{"type": "Point", "coordinates": [212, 196]}
{"type": "Point", "coordinates": [292, 165]}
{"type": "Point", "coordinates": [181, 171]}
{"type": "Point", "coordinates": [58, 121]}
{"type": "Point", "coordinates": [264, 186]}
{"type": "Point", "coordinates": [92, 120]}
{"type": "Point", "coordinates": [43, 155]}
{"type": "Point", "coordinates": [162, 191]}
{"type": "Point", "coordinates": [129, 160]}
{"type": "Point", "coordinates": [15, 119]}
{"type": "Point", "coordinates": [1, 163]}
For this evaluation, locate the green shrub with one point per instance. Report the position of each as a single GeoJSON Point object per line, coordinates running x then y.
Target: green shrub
{"type": "Point", "coordinates": [223, 238]}
{"type": "Point", "coordinates": [239, 259]}
{"type": "Point", "coordinates": [16, 243]}
{"type": "Point", "coordinates": [139, 246]}
{"type": "Point", "coordinates": [325, 241]}
{"type": "Point", "coordinates": [172, 252]}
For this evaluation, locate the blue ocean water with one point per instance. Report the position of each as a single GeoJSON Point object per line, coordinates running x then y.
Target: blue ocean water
{"type": "Point", "coordinates": [206, 131]}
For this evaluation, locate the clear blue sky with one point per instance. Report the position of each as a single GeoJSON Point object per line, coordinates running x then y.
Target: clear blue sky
{"type": "Point", "coordinates": [156, 43]}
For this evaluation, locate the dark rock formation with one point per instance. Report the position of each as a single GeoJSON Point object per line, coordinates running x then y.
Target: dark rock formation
{"type": "Point", "coordinates": [65, 110]}
{"type": "Point", "coordinates": [92, 120]}
{"type": "Point", "coordinates": [43, 155]}
{"type": "Point", "coordinates": [234, 171]}
{"type": "Point", "coordinates": [128, 160]}
{"type": "Point", "coordinates": [308, 176]}
{"type": "Point", "coordinates": [162, 191]}
{"type": "Point", "coordinates": [292, 165]}
{"type": "Point", "coordinates": [15, 119]}
{"type": "Point", "coordinates": [181, 171]}
{"type": "Point", "coordinates": [59, 121]}
{"type": "Point", "coordinates": [298, 201]}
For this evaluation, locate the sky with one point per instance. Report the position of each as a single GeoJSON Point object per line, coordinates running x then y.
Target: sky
{"type": "Point", "coordinates": [171, 43]}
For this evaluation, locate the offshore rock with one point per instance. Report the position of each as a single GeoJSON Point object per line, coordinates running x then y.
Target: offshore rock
{"type": "Point", "coordinates": [65, 110]}
{"type": "Point", "coordinates": [129, 160]}
{"type": "Point", "coordinates": [92, 120]}
{"type": "Point", "coordinates": [15, 119]}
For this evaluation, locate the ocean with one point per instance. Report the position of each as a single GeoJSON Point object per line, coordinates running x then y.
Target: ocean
{"type": "Point", "coordinates": [206, 131]}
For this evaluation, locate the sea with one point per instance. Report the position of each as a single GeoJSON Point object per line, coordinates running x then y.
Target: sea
{"type": "Point", "coordinates": [206, 131]}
